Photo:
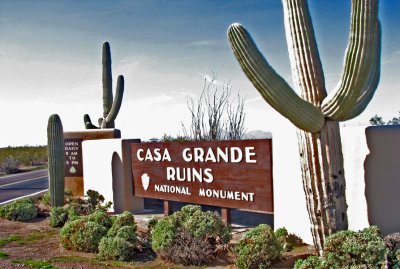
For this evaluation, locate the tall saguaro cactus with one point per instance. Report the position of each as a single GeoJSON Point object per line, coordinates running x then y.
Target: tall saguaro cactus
{"type": "Point", "coordinates": [110, 106]}
{"type": "Point", "coordinates": [55, 148]}
{"type": "Point", "coordinates": [315, 113]}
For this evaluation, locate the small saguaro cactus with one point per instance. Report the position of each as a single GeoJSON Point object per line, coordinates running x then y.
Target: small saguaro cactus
{"type": "Point", "coordinates": [110, 106]}
{"type": "Point", "coordinates": [55, 148]}
{"type": "Point", "coordinates": [316, 113]}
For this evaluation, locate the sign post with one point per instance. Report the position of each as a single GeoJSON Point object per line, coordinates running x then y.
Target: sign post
{"type": "Point", "coordinates": [228, 174]}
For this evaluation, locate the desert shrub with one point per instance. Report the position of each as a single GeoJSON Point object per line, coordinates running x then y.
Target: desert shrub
{"type": "Point", "coordinates": [189, 226]}
{"type": "Point", "coordinates": [76, 207]}
{"type": "Point", "coordinates": [124, 219]}
{"type": "Point", "coordinates": [392, 242]}
{"type": "Point", "coordinates": [312, 262]}
{"type": "Point", "coordinates": [85, 232]}
{"type": "Point", "coordinates": [350, 249]}
{"type": "Point", "coordinates": [9, 165]}
{"type": "Point", "coordinates": [88, 238]}
{"type": "Point", "coordinates": [21, 210]}
{"type": "Point", "coordinates": [204, 224]}
{"type": "Point", "coordinates": [46, 198]}
{"type": "Point", "coordinates": [101, 217]}
{"type": "Point", "coordinates": [152, 223]}
{"type": "Point", "coordinates": [258, 248]}
{"type": "Point", "coordinates": [163, 233]}
{"type": "Point", "coordinates": [91, 202]}
{"type": "Point", "coordinates": [188, 250]}
{"type": "Point", "coordinates": [122, 247]}
{"type": "Point", "coordinates": [288, 240]}
{"type": "Point", "coordinates": [58, 216]}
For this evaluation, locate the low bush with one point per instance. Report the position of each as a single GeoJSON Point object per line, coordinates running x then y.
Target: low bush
{"type": "Point", "coordinates": [288, 240]}
{"type": "Point", "coordinates": [9, 165]}
{"type": "Point", "coordinates": [350, 249]}
{"type": "Point", "coordinates": [76, 207]}
{"type": "Point", "coordinates": [84, 233]}
{"type": "Point", "coordinates": [46, 198]}
{"type": "Point", "coordinates": [188, 250]}
{"type": "Point", "coordinates": [258, 248]}
{"type": "Point", "coordinates": [91, 202]}
{"type": "Point", "coordinates": [122, 247]}
{"type": "Point", "coordinates": [392, 242]}
{"type": "Point", "coordinates": [312, 262]}
{"type": "Point", "coordinates": [189, 227]}
{"type": "Point", "coordinates": [21, 210]}
{"type": "Point", "coordinates": [124, 219]}
{"type": "Point", "coordinates": [58, 216]}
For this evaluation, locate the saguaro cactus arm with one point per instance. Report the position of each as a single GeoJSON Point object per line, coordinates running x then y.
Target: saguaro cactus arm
{"type": "Point", "coordinates": [107, 79]}
{"type": "Point", "coordinates": [361, 71]}
{"type": "Point", "coordinates": [272, 87]}
{"type": "Point", "coordinates": [116, 105]}
{"type": "Point", "coordinates": [111, 106]}
{"type": "Point", "coordinates": [304, 57]}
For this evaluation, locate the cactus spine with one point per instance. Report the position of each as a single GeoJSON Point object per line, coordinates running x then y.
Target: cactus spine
{"type": "Point", "coordinates": [55, 147]}
{"type": "Point", "coordinates": [316, 114]}
{"type": "Point", "coordinates": [111, 106]}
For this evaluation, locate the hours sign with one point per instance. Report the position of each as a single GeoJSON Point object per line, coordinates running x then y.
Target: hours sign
{"type": "Point", "coordinates": [232, 174]}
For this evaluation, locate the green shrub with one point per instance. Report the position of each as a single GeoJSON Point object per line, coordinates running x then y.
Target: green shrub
{"type": "Point", "coordinates": [92, 201]}
{"type": "Point", "coordinates": [350, 249]}
{"type": "Point", "coordinates": [258, 248]}
{"type": "Point", "coordinates": [189, 226]}
{"type": "Point", "coordinates": [101, 217]}
{"type": "Point", "coordinates": [312, 262]}
{"type": "Point", "coordinates": [121, 247]}
{"type": "Point", "coordinates": [204, 224]}
{"type": "Point", "coordinates": [152, 223]}
{"type": "Point", "coordinates": [46, 198]}
{"type": "Point", "coordinates": [116, 249]}
{"type": "Point", "coordinates": [88, 238]}
{"type": "Point", "coordinates": [124, 219]}
{"type": "Point", "coordinates": [21, 210]}
{"type": "Point", "coordinates": [58, 216]}
{"type": "Point", "coordinates": [288, 240]}
{"type": "Point", "coordinates": [163, 233]}
{"type": "Point", "coordinates": [84, 233]}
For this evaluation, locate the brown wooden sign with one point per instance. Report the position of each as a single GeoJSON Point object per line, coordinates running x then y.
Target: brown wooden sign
{"type": "Point", "coordinates": [231, 174]}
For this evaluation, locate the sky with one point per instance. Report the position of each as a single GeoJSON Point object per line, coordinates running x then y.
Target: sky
{"type": "Point", "coordinates": [50, 60]}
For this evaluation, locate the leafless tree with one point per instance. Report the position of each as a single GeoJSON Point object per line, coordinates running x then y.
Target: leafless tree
{"type": "Point", "coordinates": [214, 116]}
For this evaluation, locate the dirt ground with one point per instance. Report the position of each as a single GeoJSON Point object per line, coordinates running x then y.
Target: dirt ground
{"type": "Point", "coordinates": [37, 241]}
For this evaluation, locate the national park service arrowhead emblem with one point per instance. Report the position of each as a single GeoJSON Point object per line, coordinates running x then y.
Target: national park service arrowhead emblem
{"type": "Point", "coordinates": [145, 181]}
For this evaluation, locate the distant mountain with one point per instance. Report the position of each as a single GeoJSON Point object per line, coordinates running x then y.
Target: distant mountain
{"type": "Point", "coordinates": [257, 134]}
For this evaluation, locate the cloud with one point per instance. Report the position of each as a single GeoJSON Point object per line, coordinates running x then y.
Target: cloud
{"type": "Point", "coordinates": [207, 43]}
{"type": "Point", "coordinates": [392, 58]}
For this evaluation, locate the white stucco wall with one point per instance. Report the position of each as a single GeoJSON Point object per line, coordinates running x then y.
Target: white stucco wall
{"type": "Point", "coordinates": [105, 172]}
{"type": "Point", "coordinates": [102, 157]}
{"type": "Point", "coordinates": [290, 205]}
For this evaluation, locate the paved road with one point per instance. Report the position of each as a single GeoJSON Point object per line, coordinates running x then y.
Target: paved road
{"type": "Point", "coordinates": [23, 184]}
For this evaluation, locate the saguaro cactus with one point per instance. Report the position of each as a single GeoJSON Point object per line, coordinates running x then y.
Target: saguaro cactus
{"type": "Point", "coordinates": [55, 147]}
{"type": "Point", "coordinates": [316, 114]}
{"type": "Point", "coordinates": [110, 106]}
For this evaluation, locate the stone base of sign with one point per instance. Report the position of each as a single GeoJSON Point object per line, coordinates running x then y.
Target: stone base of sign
{"type": "Point", "coordinates": [75, 185]}
{"type": "Point", "coordinates": [107, 169]}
